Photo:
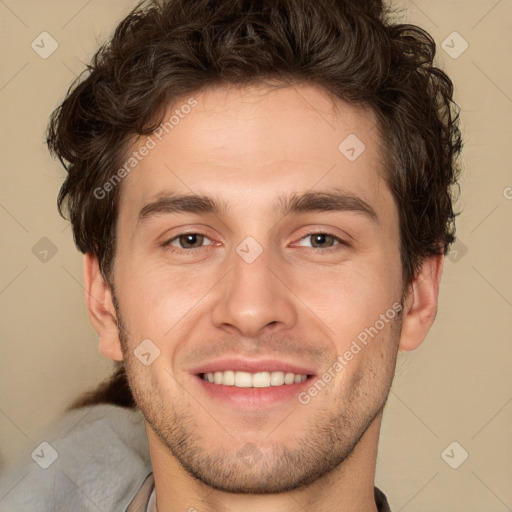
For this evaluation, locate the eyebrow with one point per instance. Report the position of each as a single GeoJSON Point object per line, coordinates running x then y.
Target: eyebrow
{"type": "Point", "coordinates": [321, 201]}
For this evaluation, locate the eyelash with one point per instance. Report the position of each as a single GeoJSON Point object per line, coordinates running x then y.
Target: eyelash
{"type": "Point", "coordinates": [167, 244]}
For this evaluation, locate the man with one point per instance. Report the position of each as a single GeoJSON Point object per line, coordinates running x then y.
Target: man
{"type": "Point", "coordinates": [262, 191]}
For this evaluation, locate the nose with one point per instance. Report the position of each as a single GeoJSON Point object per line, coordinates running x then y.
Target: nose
{"type": "Point", "coordinates": [254, 297]}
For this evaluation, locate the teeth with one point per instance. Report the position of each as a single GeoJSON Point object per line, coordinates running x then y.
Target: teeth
{"type": "Point", "coordinates": [289, 378]}
{"type": "Point", "coordinates": [253, 380]}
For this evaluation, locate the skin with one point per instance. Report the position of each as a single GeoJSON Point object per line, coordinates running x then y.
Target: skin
{"type": "Point", "coordinates": [247, 146]}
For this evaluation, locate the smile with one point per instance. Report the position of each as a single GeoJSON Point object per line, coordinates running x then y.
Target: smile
{"type": "Point", "coordinates": [253, 380]}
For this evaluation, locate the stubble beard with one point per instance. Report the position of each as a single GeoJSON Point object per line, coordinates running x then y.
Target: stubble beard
{"type": "Point", "coordinates": [323, 444]}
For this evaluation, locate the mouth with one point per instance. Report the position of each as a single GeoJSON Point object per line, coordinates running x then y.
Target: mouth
{"type": "Point", "coordinates": [253, 380]}
{"type": "Point", "coordinates": [252, 384]}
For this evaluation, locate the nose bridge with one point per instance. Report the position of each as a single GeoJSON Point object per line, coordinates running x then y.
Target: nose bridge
{"type": "Point", "coordinates": [253, 296]}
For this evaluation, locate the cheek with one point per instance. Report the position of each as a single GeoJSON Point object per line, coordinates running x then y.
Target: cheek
{"type": "Point", "coordinates": [368, 359]}
{"type": "Point", "coordinates": [156, 298]}
{"type": "Point", "coordinates": [349, 299]}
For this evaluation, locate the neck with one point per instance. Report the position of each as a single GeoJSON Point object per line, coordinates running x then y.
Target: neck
{"type": "Point", "coordinates": [349, 487]}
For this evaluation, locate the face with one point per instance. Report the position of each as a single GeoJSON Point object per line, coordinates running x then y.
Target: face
{"type": "Point", "coordinates": [287, 261]}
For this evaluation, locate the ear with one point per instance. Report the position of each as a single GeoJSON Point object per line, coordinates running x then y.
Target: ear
{"type": "Point", "coordinates": [100, 307]}
{"type": "Point", "coordinates": [420, 307]}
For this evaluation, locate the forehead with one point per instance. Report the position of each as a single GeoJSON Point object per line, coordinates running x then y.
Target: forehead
{"type": "Point", "coordinates": [250, 144]}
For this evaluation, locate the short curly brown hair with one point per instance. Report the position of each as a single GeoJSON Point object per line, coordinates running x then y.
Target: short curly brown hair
{"type": "Point", "coordinates": [164, 50]}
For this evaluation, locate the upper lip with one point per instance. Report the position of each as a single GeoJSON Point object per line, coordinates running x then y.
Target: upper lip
{"type": "Point", "coordinates": [252, 366]}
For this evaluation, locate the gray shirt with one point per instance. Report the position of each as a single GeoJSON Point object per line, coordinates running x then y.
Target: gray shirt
{"type": "Point", "coordinates": [93, 459]}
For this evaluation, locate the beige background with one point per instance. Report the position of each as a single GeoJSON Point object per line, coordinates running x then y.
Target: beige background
{"type": "Point", "coordinates": [455, 387]}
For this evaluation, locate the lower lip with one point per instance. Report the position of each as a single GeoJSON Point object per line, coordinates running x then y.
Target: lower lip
{"type": "Point", "coordinates": [250, 398]}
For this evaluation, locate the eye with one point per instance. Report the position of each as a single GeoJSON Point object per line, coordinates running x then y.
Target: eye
{"type": "Point", "coordinates": [187, 241]}
{"type": "Point", "coordinates": [319, 241]}
{"type": "Point", "coordinates": [322, 241]}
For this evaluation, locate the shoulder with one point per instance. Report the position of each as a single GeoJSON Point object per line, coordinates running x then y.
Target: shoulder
{"type": "Point", "coordinates": [92, 458]}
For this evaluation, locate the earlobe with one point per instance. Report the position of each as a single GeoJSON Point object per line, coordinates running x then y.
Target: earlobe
{"type": "Point", "coordinates": [421, 303]}
{"type": "Point", "coordinates": [100, 307]}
